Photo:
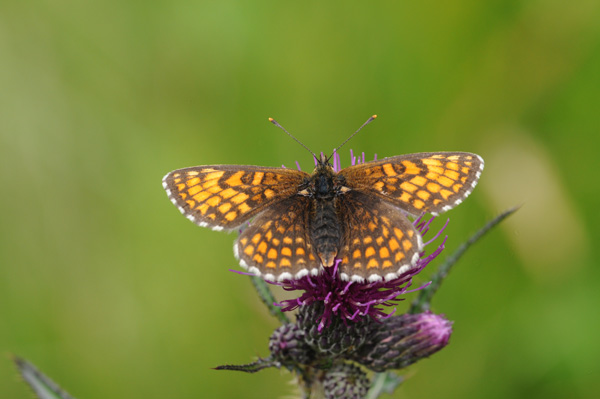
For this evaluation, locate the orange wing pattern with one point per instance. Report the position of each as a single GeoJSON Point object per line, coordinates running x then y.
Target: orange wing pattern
{"type": "Point", "coordinates": [276, 245]}
{"type": "Point", "coordinates": [380, 242]}
{"type": "Point", "coordinates": [226, 196]}
{"type": "Point", "coordinates": [431, 182]}
{"type": "Point", "coordinates": [377, 241]}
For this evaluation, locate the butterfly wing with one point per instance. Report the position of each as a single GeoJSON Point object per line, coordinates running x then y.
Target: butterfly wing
{"type": "Point", "coordinates": [380, 243]}
{"type": "Point", "coordinates": [276, 245]}
{"type": "Point", "coordinates": [432, 182]}
{"type": "Point", "coordinates": [226, 196]}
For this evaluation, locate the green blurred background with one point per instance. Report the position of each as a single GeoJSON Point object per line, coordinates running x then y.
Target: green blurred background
{"type": "Point", "coordinates": [109, 290]}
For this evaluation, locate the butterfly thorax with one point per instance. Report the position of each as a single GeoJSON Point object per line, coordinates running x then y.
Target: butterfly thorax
{"type": "Point", "coordinates": [324, 188]}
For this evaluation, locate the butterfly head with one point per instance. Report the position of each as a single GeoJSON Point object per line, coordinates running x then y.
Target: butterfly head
{"type": "Point", "coordinates": [324, 183]}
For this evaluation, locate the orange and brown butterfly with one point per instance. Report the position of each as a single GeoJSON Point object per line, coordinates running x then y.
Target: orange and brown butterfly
{"type": "Point", "coordinates": [300, 222]}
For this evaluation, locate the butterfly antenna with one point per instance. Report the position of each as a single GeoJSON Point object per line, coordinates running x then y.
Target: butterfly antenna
{"type": "Point", "coordinates": [371, 119]}
{"type": "Point", "coordinates": [273, 121]}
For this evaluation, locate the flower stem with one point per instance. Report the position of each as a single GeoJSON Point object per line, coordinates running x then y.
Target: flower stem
{"type": "Point", "coordinates": [268, 299]}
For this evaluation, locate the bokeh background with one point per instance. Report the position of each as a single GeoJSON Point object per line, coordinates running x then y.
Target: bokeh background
{"type": "Point", "coordinates": [110, 291]}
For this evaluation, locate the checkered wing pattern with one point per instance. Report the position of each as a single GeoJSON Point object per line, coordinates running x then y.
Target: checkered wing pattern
{"type": "Point", "coordinates": [276, 245]}
{"type": "Point", "coordinates": [431, 182]}
{"type": "Point", "coordinates": [380, 242]}
{"type": "Point", "coordinates": [226, 196]}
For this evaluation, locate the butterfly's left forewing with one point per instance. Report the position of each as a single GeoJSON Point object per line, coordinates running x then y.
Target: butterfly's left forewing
{"type": "Point", "coordinates": [431, 182]}
{"type": "Point", "coordinates": [226, 196]}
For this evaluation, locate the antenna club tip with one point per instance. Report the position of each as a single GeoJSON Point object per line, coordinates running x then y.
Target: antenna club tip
{"type": "Point", "coordinates": [374, 116]}
{"type": "Point", "coordinates": [271, 120]}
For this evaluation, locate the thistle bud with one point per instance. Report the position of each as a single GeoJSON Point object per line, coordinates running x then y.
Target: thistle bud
{"type": "Point", "coordinates": [345, 381]}
{"type": "Point", "coordinates": [288, 346]}
{"type": "Point", "coordinates": [403, 340]}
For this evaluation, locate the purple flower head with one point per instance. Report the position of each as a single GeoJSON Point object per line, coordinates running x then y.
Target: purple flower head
{"type": "Point", "coordinates": [352, 300]}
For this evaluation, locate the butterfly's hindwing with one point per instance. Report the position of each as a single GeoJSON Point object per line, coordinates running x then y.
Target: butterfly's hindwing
{"type": "Point", "coordinates": [276, 245]}
{"type": "Point", "coordinates": [225, 196]}
{"type": "Point", "coordinates": [379, 242]}
{"type": "Point", "coordinates": [417, 183]}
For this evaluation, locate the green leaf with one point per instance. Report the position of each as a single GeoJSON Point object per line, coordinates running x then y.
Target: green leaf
{"type": "Point", "coordinates": [250, 367]}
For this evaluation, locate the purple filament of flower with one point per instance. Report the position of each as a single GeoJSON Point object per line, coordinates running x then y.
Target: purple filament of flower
{"type": "Point", "coordinates": [337, 166]}
{"type": "Point", "coordinates": [438, 233]}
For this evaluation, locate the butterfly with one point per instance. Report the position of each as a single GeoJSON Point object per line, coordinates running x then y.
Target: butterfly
{"type": "Point", "coordinates": [293, 223]}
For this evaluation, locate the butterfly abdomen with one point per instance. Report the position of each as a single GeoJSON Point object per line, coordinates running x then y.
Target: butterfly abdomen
{"type": "Point", "coordinates": [325, 230]}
